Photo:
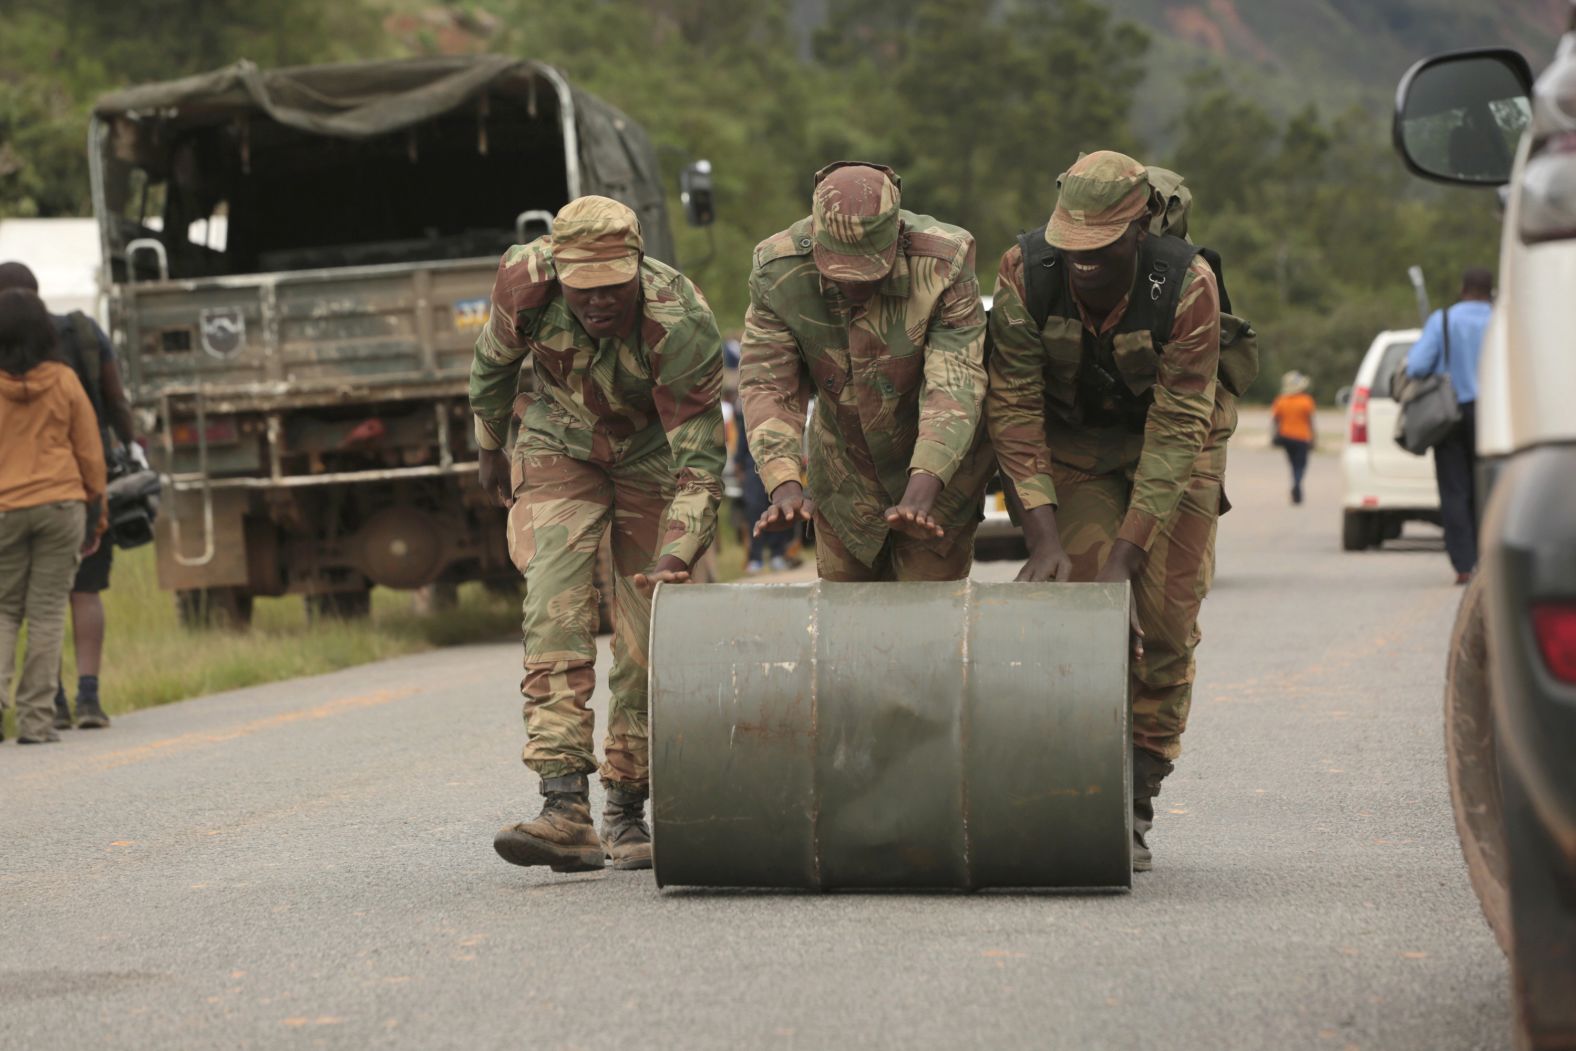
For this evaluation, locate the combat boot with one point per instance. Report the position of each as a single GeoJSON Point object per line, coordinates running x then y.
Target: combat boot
{"type": "Point", "coordinates": [1148, 771]}
{"type": "Point", "coordinates": [625, 837]}
{"type": "Point", "coordinates": [62, 712]}
{"type": "Point", "coordinates": [562, 836]}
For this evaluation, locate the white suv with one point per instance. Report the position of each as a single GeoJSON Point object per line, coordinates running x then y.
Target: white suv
{"type": "Point", "coordinates": [1510, 696]}
{"type": "Point", "coordinates": [1386, 486]}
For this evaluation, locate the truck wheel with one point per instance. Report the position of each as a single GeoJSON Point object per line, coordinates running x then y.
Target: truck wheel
{"type": "Point", "coordinates": [214, 608]}
{"type": "Point", "coordinates": [1473, 764]}
{"type": "Point", "coordinates": [1390, 527]}
{"type": "Point", "coordinates": [340, 605]}
{"type": "Point", "coordinates": [1358, 532]}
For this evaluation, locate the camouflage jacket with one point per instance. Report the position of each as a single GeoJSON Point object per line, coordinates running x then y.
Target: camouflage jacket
{"type": "Point", "coordinates": [900, 380]}
{"type": "Point", "coordinates": [1035, 411]}
{"type": "Point", "coordinates": [609, 401]}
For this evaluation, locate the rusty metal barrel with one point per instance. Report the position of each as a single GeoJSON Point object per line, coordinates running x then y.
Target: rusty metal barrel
{"type": "Point", "coordinates": [951, 735]}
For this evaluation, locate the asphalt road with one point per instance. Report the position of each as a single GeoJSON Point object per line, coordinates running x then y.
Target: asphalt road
{"type": "Point", "coordinates": [310, 864]}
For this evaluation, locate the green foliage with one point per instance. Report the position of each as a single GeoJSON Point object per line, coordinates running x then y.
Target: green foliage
{"type": "Point", "coordinates": [979, 104]}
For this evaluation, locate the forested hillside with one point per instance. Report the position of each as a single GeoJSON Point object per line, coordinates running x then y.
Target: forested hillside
{"type": "Point", "coordinates": [979, 103]}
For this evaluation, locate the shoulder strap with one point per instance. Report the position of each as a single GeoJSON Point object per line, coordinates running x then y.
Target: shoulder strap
{"type": "Point", "coordinates": [1041, 279]}
{"type": "Point", "coordinates": [1163, 263]}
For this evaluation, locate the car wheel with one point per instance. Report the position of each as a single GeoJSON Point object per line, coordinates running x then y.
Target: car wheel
{"type": "Point", "coordinates": [1390, 527]}
{"type": "Point", "coordinates": [1472, 761]}
{"type": "Point", "coordinates": [1358, 532]}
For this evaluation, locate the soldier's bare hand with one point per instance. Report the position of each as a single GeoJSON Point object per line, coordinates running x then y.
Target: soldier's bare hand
{"type": "Point", "coordinates": [912, 515]}
{"type": "Point", "coordinates": [492, 473]}
{"type": "Point", "coordinates": [669, 570]}
{"type": "Point", "coordinates": [1048, 560]}
{"type": "Point", "coordinates": [790, 504]}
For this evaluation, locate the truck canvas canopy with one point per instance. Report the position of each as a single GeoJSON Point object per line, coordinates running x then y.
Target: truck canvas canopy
{"type": "Point", "coordinates": [245, 171]}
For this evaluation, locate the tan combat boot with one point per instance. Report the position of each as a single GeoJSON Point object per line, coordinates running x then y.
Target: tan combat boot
{"type": "Point", "coordinates": [625, 836]}
{"type": "Point", "coordinates": [562, 836]}
{"type": "Point", "coordinates": [1148, 771]}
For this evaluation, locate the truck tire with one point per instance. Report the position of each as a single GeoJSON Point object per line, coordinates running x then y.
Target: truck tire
{"type": "Point", "coordinates": [214, 608]}
{"type": "Point", "coordinates": [340, 605]}
{"type": "Point", "coordinates": [1358, 531]}
{"type": "Point", "coordinates": [1472, 761]}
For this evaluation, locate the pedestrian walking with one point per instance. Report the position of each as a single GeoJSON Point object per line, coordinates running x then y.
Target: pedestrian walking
{"type": "Point", "coordinates": [880, 308]}
{"type": "Point", "coordinates": [1110, 416]}
{"type": "Point", "coordinates": [1451, 343]}
{"type": "Point", "coordinates": [1292, 418]}
{"type": "Point", "coordinates": [52, 489]}
{"type": "Point", "coordinates": [623, 432]}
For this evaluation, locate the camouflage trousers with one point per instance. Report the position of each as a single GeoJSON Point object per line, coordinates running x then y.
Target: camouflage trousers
{"type": "Point", "coordinates": [901, 557]}
{"type": "Point", "coordinates": [563, 506]}
{"type": "Point", "coordinates": [1168, 590]}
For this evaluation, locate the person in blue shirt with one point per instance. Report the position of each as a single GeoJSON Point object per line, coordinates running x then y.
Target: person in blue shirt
{"type": "Point", "coordinates": [1451, 341]}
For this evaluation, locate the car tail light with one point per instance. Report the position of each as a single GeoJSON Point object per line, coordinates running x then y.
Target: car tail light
{"type": "Point", "coordinates": [1554, 624]}
{"type": "Point", "coordinates": [1359, 432]}
{"type": "Point", "coordinates": [220, 432]}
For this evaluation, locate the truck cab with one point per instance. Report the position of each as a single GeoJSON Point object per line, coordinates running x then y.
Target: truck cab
{"type": "Point", "coordinates": [297, 265]}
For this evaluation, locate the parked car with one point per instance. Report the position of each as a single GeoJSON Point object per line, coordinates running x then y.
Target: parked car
{"type": "Point", "coordinates": [1385, 486]}
{"type": "Point", "coordinates": [1473, 118]}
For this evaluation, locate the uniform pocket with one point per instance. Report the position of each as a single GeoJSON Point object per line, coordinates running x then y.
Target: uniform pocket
{"type": "Point", "coordinates": [1062, 339]}
{"type": "Point", "coordinates": [1136, 360]}
{"type": "Point", "coordinates": [829, 368]}
{"type": "Point", "coordinates": [901, 373]}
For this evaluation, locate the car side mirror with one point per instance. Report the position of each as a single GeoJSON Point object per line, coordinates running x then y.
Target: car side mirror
{"type": "Point", "coordinates": [1459, 116]}
{"type": "Point", "coordinates": [695, 194]}
{"type": "Point", "coordinates": [1343, 397]}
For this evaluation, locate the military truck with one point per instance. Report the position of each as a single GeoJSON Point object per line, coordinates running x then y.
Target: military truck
{"type": "Point", "coordinates": [297, 263]}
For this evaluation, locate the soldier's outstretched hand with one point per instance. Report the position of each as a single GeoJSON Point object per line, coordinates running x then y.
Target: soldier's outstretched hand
{"type": "Point", "coordinates": [669, 570]}
{"type": "Point", "coordinates": [911, 515]}
{"type": "Point", "coordinates": [492, 474]}
{"type": "Point", "coordinates": [789, 504]}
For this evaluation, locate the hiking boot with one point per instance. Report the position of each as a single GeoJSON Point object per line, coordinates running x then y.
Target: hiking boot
{"type": "Point", "coordinates": [562, 836]}
{"type": "Point", "coordinates": [62, 713]}
{"type": "Point", "coordinates": [625, 837]}
{"type": "Point", "coordinates": [90, 716]}
{"type": "Point", "coordinates": [1148, 771]}
{"type": "Point", "coordinates": [49, 737]}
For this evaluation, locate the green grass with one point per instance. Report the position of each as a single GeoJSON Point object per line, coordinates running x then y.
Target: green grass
{"type": "Point", "coordinates": [151, 658]}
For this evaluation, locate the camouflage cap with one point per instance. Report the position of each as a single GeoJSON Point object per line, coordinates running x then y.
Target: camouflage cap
{"type": "Point", "coordinates": [854, 221]}
{"type": "Point", "coordinates": [596, 242]}
{"type": "Point", "coordinates": [1100, 195]}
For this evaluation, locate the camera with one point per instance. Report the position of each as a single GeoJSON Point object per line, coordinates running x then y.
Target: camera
{"type": "Point", "coordinates": [133, 500]}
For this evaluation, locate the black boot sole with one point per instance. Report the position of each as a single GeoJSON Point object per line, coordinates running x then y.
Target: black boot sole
{"type": "Point", "coordinates": [90, 722]}
{"type": "Point", "coordinates": [518, 848]}
{"type": "Point", "coordinates": [630, 864]}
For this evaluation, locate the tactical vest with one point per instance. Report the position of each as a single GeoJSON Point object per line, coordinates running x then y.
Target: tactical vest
{"type": "Point", "coordinates": [1108, 380]}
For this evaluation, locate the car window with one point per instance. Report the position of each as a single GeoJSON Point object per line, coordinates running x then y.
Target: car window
{"type": "Point", "coordinates": [1394, 359]}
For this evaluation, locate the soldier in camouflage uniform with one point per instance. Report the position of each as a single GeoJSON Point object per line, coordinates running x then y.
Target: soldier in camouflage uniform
{"type": "Point", "coordinates": [1113, 432]}
{"type": "Point", "coordinates": [623, 432]}
{"type": "Point", "coordinates": [879, 309]}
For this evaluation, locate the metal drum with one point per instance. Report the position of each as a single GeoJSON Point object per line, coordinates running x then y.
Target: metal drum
{"type": "Point", "coordinates": [824, 735]}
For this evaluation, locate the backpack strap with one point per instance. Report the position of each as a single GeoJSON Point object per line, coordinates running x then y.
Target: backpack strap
{"type": "Point", "coordinates": [1165, 261]}
{"type": "Point", "coordinates": [1042, 280]}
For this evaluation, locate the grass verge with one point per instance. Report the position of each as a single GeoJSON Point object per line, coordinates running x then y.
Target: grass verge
{"type": "Point", "coordinates": [150, 658]}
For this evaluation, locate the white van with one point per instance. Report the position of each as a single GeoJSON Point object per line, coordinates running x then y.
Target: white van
{"type": "Point", "coordinates": [1385, 485]}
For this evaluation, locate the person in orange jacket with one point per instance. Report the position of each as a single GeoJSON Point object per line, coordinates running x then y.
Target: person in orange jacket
{"type": "Point", "coordinates": [52, 486]}
{"type": "Point", "coordinates": [1293, 415]}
